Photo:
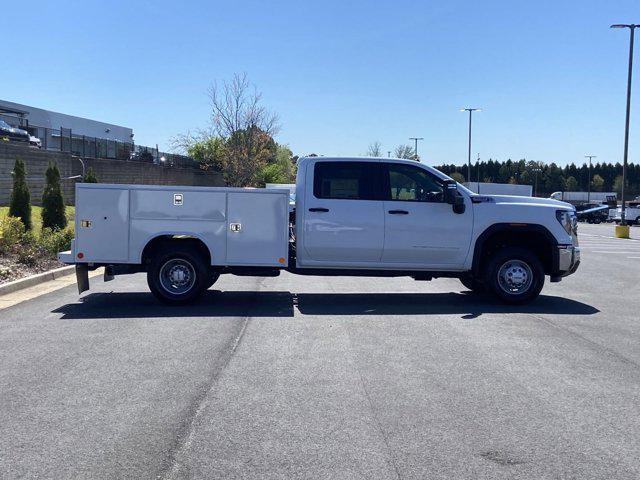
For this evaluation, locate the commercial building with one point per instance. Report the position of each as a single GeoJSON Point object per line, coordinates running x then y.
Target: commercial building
{"type": "Point", "coordinates": [67, 133]}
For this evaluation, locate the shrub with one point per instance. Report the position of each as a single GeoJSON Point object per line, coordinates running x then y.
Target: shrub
{"type": "Point", "coordinates": [89, 176]}
{"type": "Point", "coordinates": [29, 251]}
{"type": "Point", "coordinates": [53, 241]}
{"type": "Point", "coordinates": [53, 215]}
{"type": "Point", "coordinates": [11, 232]}
{"type": "Point", "coordinates": [20, 203]}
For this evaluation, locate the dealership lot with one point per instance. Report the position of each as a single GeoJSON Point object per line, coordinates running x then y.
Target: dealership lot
{"type": "Point", "coordinates": [313, 377]}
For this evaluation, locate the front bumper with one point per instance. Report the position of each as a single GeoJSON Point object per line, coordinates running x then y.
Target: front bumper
{"type": "Point", "coordinates": [568, 260]}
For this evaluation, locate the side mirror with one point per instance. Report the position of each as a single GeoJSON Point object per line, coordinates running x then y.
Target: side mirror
{"type": "Point", "coordinates": [458, 203]}
{"type": "Point", "coordinates": [453, 197]}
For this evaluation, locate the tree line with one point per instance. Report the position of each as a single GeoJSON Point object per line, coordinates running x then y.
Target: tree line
{"type": "Point", "coordinates": [547, 178]}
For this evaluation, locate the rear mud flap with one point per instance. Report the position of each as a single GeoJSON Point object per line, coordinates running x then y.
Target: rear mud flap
{"type": "Point", "coordinates": [82, 277]}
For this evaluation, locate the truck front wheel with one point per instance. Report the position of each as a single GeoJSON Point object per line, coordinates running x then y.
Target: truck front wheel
{"type": "Point", "coordinates": [515, 275]}
{"type": "Point", "coordinates": [178, 277]}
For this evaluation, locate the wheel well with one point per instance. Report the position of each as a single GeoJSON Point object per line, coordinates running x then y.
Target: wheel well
{"type": "Point", "coordinates": [174, 242]}
{"type": "Point", "coordinates": [537, 240]}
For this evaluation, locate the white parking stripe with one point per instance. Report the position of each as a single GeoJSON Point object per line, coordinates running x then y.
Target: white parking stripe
{"type": "Point", "coordinates": [611, 251]}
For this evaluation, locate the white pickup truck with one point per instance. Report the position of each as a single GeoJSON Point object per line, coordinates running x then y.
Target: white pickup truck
{"type": "Point", "coordinates": [631, 214]}
{"type": "Point", "coordinates": [352, 216]}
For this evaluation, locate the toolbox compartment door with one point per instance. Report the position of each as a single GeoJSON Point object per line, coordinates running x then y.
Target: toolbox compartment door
{"type": "Point", "coordinates": [257, 229]}
{"type": "Point", "coordinates": [102, 225]}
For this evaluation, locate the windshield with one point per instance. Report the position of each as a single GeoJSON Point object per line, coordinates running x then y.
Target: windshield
{"type": "Point", "coordinates": [4, 124]}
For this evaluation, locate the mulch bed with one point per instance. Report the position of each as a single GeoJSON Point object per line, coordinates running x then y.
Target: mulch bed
{"type": "Point", "coordinates": [11, 269]}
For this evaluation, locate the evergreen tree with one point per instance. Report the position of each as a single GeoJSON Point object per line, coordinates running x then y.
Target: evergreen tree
{"type": "Point", "coordinates": [20, 203]}
{"type": "Point", "coordinates": [53, 215]}
{"type": "Point", "coordinates": [89, 176]}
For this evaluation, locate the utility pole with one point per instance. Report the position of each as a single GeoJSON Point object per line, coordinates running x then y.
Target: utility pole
{"type": "Point", "coordinates": [470, 110]}
{"type": "Point", "coordinates": [589, 177]}
{"type": "Point", "coordinates": [415, 149]}
{"type": "Point", "coordinates": [632, 28]}
{"type": "Point", "coordinates": [388, 153]}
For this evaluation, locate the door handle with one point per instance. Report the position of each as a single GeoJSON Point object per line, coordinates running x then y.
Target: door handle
{"type": "Point", "coordinates": [398, 212]}
{"type": "Point", "coordinates": [319, 209]}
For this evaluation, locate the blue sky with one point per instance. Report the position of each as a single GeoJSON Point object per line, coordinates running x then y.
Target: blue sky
{"type": "Point", "coordinates": [549, 75]}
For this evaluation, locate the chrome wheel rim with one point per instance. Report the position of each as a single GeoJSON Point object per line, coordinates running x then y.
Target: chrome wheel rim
{"type": "Point", "coordinates": [515, 277]}
{"type": "Point", "coordinates": [177, 276]}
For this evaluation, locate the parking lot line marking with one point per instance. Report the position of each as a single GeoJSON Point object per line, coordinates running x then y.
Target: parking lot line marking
{"type": "Point", "coordinates": [611, 251]}
{"type": "Point", "coordinates": [606, 236]}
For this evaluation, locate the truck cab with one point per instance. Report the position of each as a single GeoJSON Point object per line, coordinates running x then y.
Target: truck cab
{"type": "Point", "coordinates": [352, 216]}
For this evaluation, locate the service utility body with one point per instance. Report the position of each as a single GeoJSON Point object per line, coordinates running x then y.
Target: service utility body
{"type": "Point", "coordinates": [352, 216]}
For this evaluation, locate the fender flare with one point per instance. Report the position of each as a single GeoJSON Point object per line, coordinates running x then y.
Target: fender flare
{"type": "Point", "coordinates": [513, 227]}
{"type": "Point", "coordinates": [155, 236]}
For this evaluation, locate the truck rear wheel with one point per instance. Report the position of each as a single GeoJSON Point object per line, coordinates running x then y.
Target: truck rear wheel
{"type": "Point", "coordinates": [515, 275]}
{"type": "Point", "coordinates": [178, 277]}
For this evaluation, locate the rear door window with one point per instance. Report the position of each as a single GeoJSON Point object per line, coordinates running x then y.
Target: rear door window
{"type": "Point", "coordinates": [347, 180]}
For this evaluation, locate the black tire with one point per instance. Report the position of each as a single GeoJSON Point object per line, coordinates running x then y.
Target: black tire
{"type": "Point", "coordinates": [515, 262]}
{"type": "Point", "coordinates": [472, 284]}
{"type": "Point", "coordinates": [178, 277]}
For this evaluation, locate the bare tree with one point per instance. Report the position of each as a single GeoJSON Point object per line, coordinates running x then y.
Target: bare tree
{"type": "Point", "coordinates": [375, 149]}
{"type": "Point", "coordinates": [236, 106]}
{"type": "Point", "coordinates": [245, 127]}
{"type": "Point", "coordinates": [405, 151]}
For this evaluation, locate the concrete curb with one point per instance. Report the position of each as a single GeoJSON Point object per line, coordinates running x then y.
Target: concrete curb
{"type": "Point", "coordinates": [37, 279]}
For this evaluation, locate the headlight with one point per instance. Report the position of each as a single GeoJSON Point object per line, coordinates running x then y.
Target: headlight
{"type": "Point", "coordinates": [568, 221]}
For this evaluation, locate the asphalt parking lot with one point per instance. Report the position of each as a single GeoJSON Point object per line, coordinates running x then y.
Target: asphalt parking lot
{"type": "Point", "coordinates": [336, 378]}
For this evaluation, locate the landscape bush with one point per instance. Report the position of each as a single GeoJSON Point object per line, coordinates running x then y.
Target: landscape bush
{"type": "Point", "coordinates": [30, 248]}
{"type": "Point", "coordinates": [90, 176]}
{"type": "Point", "coordinates": [11, 231]}
{"type": "Point", "coordinates": [54, 241]}
{"type": "Point", "coordinates": [20, 202]}
{"type": "Point", "coordinates": [53, 214]}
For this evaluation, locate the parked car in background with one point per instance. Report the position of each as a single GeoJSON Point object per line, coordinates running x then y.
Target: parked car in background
{"type": "Point", "coordinates": [592, 212]}
{"type": "Point", "coordinates": [35, 142]}
{"type": "Point", "coordinates": [632, 214]}
{"type": "Point", "coordinates": [11, 134]}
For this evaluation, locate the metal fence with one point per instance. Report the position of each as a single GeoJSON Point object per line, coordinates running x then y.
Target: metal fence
{"type": "Point", "coordinates": [64, 140]}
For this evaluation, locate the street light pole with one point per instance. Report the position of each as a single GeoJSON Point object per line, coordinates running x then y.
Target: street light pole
{"type": "Point", "coordinates": [589, 178]}
{"type": "Point", "coordinates": [415, 149]}
{"type": "Point", "coordinates": [632, 28]}
{"type": "Point", "coordinates": [470, 110]}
